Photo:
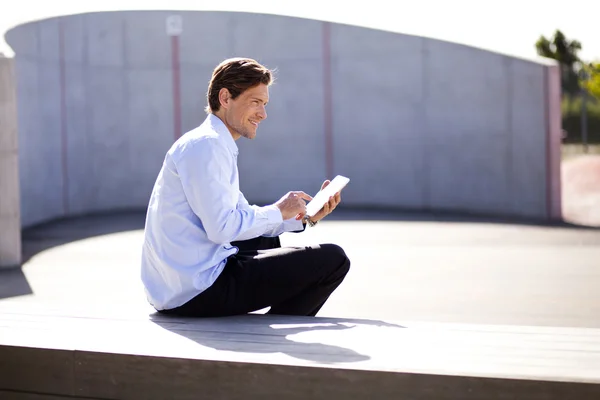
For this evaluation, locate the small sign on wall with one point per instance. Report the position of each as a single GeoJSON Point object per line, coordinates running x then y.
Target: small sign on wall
{"type": "Point", "coordinates": [174, 25]}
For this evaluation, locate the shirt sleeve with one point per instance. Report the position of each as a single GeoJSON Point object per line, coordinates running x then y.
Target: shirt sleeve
{"type": "Point", "coordinates": [205, 171]}
{"type": "Point", "coordinates": [289, 225]}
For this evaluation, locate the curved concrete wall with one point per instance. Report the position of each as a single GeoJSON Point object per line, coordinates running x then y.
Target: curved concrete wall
{"type": "Point", "coordinates": [414, 122]}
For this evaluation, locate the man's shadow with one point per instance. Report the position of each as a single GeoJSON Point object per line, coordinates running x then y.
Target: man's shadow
{"type": "Point", "coordinates": [258, 333]}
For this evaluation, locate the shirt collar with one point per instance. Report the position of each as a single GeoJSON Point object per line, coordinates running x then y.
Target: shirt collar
{"type": "Point", "coordinates": [219, 127]}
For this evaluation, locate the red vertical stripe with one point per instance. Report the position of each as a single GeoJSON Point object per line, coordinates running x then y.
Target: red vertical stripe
{"type": "Point", "coordinates": [327, 99]}
{"type": "Point", "coordinates": [63, 116]}
{"type": "Point", "coordinates": [176, 70]}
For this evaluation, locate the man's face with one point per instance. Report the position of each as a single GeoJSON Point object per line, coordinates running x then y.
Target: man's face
{"type": "Point", "coordinates": [243, 114]}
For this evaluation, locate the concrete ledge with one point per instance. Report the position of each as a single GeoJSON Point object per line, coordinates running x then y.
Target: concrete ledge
{"type": "Point", "coordinates": [258, 356]}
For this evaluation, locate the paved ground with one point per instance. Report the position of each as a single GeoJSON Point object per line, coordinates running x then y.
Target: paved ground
{"type": "Point", "coordinates": [404, 267]}
{"type": "Point", "coordinates": [581, 190]}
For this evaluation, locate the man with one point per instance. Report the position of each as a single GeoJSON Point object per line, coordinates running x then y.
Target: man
{"type": "Point", "coordinates": [206, 251]}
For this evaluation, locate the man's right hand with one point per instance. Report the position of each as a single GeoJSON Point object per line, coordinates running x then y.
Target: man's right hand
{"type": "Point", "coordinates": [293, 205]}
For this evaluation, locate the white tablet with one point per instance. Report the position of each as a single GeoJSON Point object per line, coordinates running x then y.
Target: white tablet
{"type": "Point", "coordinates": [319, 200]}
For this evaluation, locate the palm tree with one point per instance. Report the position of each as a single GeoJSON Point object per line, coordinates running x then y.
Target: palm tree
{"type": "Point", "coordinates": [565, 52]}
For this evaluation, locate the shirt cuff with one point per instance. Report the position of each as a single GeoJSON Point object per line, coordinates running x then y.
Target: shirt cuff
{"type": "Point", "coordinates": [273, 215]}
{"type": "Point", "coordinates": [293, 225]}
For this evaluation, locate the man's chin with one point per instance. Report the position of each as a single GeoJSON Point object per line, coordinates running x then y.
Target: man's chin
{"type": "Point", "coordinates": [249, 135]}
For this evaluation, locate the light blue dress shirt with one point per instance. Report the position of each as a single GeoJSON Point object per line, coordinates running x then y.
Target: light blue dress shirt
{"type": "Point", "coordinates": [195, 211]}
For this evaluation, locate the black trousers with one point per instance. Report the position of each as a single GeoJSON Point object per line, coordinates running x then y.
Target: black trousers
{"type": "Point", "coordinates": [289, 280]}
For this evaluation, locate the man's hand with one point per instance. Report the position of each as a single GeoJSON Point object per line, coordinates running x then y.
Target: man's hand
{"type": "Point", "coordinates": [329, 206]}
{"type": "Point", "coordinates": [293, 205]}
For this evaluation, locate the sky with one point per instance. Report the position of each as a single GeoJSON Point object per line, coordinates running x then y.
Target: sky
{"type": "Point", "coordinates": [510, 27]}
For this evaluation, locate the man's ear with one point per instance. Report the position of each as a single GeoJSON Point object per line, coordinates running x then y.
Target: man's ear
{"type": "Point", "coordinates": [224, 97]}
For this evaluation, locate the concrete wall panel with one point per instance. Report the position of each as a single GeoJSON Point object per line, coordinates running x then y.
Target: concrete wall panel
{"type": "Point", "coordinates": [377, 81]}
{"type": "Point", "coordinates": [150, 130]}
{"type": "Point", "coordinates": [28, 125]}
{"type": "Point", "coordinates": [26, 40]}
{"type": "Point", "coordinates": [290, 142]}
{"type": "Point", "coordinates": [273, 37]}
{"type": "Point", "coordinates": [194, 83]}
{"type": "Point", "coordinates": [147, 45]}
{"type": "Point", "coordinates": [48, 40]}
{"type": "Point", "coordinates": [77, 146]}
{"type": "Point", "coordinates": [104, 36]}
{"type": "Point", "coordinates": [354, 42]}
{"type": "Point", "coordinates": [528, 139]}
{"type": "Point", "coordinates": [107, 138]}
{"type": "Point", "coordinates": [207, 40]}
{"type": "Point", "coordinates": [466, 91]}
{"type": "Point", "coordinates": [46, 162]}
{"type": "Point", "coordinates": [75, 41]}
{"type": "Point", "coordinates": [465, 178]}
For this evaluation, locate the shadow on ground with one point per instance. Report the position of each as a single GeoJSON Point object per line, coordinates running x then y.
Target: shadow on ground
{"type": "Point", "coordinates": [13, 283]}
{"type": "Point", "coordinates": [391, 214]}
{"type": "Point", "coordinates": [257, 333]}
{"type": "Point", "coordinates": [38, 238]}
{"type": "Point", "coordinates": [61, 231]}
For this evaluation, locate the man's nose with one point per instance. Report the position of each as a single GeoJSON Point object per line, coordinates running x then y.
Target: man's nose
{"type": "Point", "coordinates": [262, 113]}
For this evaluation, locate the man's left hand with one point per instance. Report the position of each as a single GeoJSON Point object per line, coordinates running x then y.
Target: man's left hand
{"type": "Point", "coordinates": [329, 206]}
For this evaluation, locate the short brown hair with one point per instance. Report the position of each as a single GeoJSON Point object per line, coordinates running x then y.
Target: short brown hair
{"type": "Point", "coordinates": [236, 75]}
